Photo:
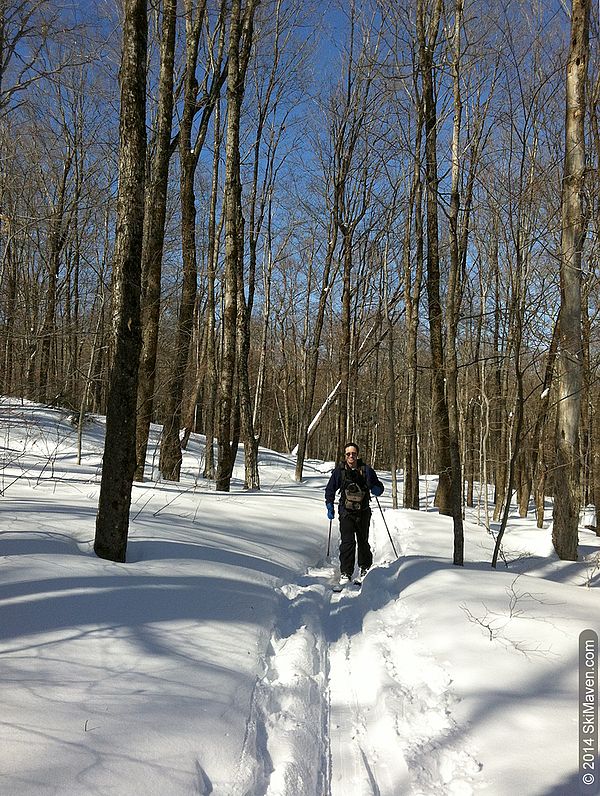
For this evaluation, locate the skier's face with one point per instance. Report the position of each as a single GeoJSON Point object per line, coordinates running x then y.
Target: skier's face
{"type": "Point", "coordinates": [351, 455]}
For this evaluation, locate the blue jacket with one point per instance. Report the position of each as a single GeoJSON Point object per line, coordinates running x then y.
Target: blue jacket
{"type": "Point", "coordinates": [367, 480]}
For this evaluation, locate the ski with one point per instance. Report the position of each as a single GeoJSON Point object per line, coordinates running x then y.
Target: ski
{"type": "Point", "coordinates": [338, 587]}
{"type": "Point", "coordinates": [358, 580]}
{"type": "Point", "coordinates": [341, 584]}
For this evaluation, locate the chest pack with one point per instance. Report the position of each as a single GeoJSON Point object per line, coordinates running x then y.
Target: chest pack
{"type": "Point", "coordinates": [353, 490]}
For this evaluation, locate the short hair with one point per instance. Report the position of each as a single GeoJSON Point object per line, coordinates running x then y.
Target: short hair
{"type": "Point", "coordinates": [351, 444]}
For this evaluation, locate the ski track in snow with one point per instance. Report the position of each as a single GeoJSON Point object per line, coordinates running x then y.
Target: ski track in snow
{"type": "Point", "coordinates": [333, 722]}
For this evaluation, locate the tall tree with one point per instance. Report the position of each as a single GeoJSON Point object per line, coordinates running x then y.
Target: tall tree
{"type": "Point", "coordinates": [154, 234]}
{"type": "Point", "coordinates": [112, 521]}
{"type": "Point", "coordinates": [567, 495]}
{"type": "Point", "coordinates": [428, 25]}
{"type": "Point", "coordinates": [191, 137]}
{"type": "Point", "coordinates": [413, 278]}
{"type": "Point", "coordinates": [56, 241]}
{"type": "Point", "coordinates": [454, 298]}
{"type": "Point", "coordinates": [210, 392]}
{"type": "Point", "coordinates": [170, 445]}
{"type": "Point", "coordinates": [234, 312]}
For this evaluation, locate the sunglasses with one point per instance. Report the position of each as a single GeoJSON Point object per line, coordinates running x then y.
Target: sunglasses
{"type": "Point", "coordinates": [352, 453]}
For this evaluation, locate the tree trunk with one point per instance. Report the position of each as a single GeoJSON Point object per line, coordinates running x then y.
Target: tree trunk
{"type": "Point", "coordinates": [539, 466]}
{"type": "Point", "coordinates": [498, 426]}
{"type": "Point", "coordinates": [391, 419]}
{"type": "Point", "coordinates": [154, 235]}
{"type": "Point", "coordinates": [9, 283]}
{"type": "Point", "coordinates": [118, 465]}
{"type": "Point", "coordinates": [240, 38]}
{"type": "Point", "coordinates": [344, 345]}
{"type": "Point", "coordinates": [214, 235]}
{"type": "Point", "coordinates": [454, 302]}
{"type": "Point", "coordinates": [427, 41]}
{"type": "Point", "coordinates": [56, 242]}
{"type": "Point", "coordinates": [170, 445]}
{"type": "Point", "coordinates": [250, 440]}
{"type": "Point", "coordinates": [412, 299]}
{"type": "Point", "coordinates": [570, 355]}
{"type": "Point", "coordinates": [251, 479]}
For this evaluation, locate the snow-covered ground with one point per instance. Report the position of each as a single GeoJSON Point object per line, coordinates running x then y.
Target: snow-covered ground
{"type": "Point", "coordinates": [218, 660]}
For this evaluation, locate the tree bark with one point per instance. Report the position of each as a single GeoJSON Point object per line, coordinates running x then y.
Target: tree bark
{"type": "Point", "coordinates": [211, 347]}
{"type": "Point", "coordinates": [454, 302]}
{"type": "Point", "coordinates": [412, 300]}
{"type": "Point", "coordinates": [112, 521]}
{"type": "Point", "coordinates": [154, 235]}
{"type": "Point", "coordinates": [426, 42]}
{"type": "Point", "coordinates": [240, 37]}
{"type": "Point", "coordinates": [244, 307]}
{"type": "Point", "coordinates": [56, 242]}
{"type": "Point", "coordinates": [570, 355]}
{"type": "Point", "coordinates": [539, 465]}
{"type": "Point", "coordinates": [312, 351]}
{"type": "Point", "coordinates": [170, 446]}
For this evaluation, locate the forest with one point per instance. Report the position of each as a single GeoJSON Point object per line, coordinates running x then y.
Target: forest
{"type": "Point", "coordinates": [290, 224]}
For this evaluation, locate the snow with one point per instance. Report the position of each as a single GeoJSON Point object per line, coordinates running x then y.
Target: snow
{"type": "Point", "coordinates": [218, 660]}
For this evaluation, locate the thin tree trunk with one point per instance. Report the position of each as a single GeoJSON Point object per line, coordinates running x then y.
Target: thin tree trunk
{"type": "Point", "coordinates": [391, 424]}
{"type": "Point", "coordinates": [56, 242]}
{"type": "Point", "coordinates": [9, 283]}
{"type": "Point", "coordinates": [211, 347]}
{"type": "Point", "coordinates": [312, 353]}
{"type": "Point", "coordinates": [250, 440]}
{"type": "Point", "coordinates": [90, 371]}
{"type": "Point", "coordinates": [154, 235]}
{"type": "Point", "coordinates": [240, 38]}
{"type": "Point", "coordinates": [252, 480]}
{"type": "Point", "coordinates": [539, 466]}
{"type": "Point", "coordinates": [498, 426]}
{"type": "Point", "coordinates": [262, 363]}
{"type": "Point", "coordinates": [454, 302]}
{"type": "Point", "coordinates": [412, 297]}
{"type": "Point", "coordinates": [344, 351]}
{"type": "Point", "coordinates": [427, 42]}
{"type": "Point", "coordinates": [170, 446]}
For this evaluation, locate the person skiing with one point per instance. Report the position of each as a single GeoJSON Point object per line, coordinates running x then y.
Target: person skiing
{"type": "Point", "coordinates": [353, 479]}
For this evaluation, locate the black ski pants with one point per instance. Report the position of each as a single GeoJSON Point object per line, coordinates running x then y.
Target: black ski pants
{"type": "Point", "coordinates": [354, 532]}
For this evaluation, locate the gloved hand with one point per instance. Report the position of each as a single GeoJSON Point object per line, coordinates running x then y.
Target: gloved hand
{"type": "Point", "coordinates": [330, 511]}
{"type": "Point", "coordinates": [376, 490]}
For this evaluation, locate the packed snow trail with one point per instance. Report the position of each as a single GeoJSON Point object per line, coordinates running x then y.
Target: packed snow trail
{"type": "Point", "coordinates": [352, 703]}
{"type": "Point", "coordinates": [390, 720]}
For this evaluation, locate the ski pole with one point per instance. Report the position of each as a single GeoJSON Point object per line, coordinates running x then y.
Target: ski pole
{"type": "Point", "coordinates": [386, 527]}
{"type": "Point", "coordinates": [329, 538]}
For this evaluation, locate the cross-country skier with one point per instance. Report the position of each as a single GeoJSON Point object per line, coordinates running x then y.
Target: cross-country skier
{"type": "Point", "coordinates": [355, 481]}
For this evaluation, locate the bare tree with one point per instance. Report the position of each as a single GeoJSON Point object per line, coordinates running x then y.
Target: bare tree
{"type": "Point", "coordinates": [27, 28]}
{"type": "Point", "coordinates": [170, 445]}
{"type": "Point", "coordinates": [56, 240]}
{"type": "Point", "coordinates": [112, 521]}
{"type": "Point", "coordinates": [570, 355]}
{"type": "Point", "coordinates": [214, 231]}
{"type": "Point", "coordinates": [240, 40]}
{"type": "Point", "coordinates": [413, 278]}
{"type": "Point", "coordinates": [191, 142]}
{"type": "Point", "coordinates": [428, 24]}
{"type": "Point", "coordinates": [154, 233]}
